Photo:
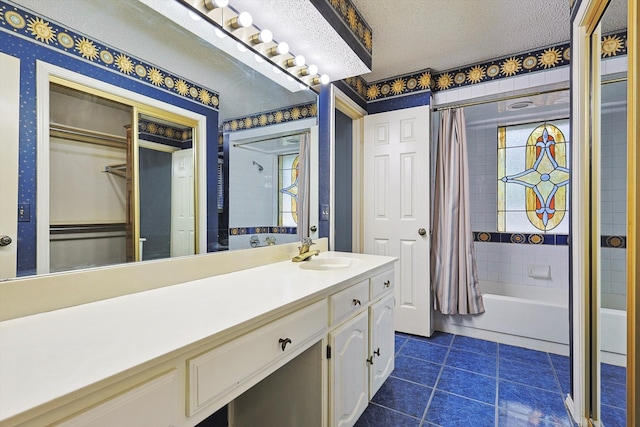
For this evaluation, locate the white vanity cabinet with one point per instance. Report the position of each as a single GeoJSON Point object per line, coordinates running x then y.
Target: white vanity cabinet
{"type": "Point", "coordinates": [361, 349]}
{"type": "Point", "coordinates": [172, 356]}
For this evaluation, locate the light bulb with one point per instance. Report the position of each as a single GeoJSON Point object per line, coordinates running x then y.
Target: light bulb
{"type": "Point", "coordinates": [221, 34]}
{"type": "Point", "coordinates": [241, 47]}
{"type": "Point", "coordinates": [243, 20]}
{"type": "Point", "coordinates": [212, 4]}
{"type": "Point", "coordinates": [323, 79]}
{"type": "Point", "coordinates": [258, 58]}
{"type": "Point", "coordinates": [298, 61]}
{"type": "Point", "coordinates": [311, 70]}
{"type": "Point", "coordinates": [194, 16]}
{"type": "Point", "coordinates": [264, 36]}
{"type": "Point", "coordinates": [281, 49]}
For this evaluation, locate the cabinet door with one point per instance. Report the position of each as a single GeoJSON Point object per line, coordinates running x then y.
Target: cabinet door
{"type": "Point", "coordinates": [382, 342]}
{"type": "Point", "coordinates": [348, 371]}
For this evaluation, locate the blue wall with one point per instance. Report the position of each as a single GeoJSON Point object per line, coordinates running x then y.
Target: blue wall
{"type": "Point", "coordinates": [29, 52]}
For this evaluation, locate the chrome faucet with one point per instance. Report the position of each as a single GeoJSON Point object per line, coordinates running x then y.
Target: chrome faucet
{"type": "Point", "coordinates": [305, 253]}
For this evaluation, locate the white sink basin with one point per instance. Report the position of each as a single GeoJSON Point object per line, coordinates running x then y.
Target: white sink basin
{"type": "Point", "coordinates": [327, 263]}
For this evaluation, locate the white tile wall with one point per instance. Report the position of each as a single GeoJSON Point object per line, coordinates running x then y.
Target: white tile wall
{"type": "Point", "coordinates": [613, 201]}
{"type": "Point", "coordinates": [252, 194]}
{"type": "Point", "coordinates": [508, 263]}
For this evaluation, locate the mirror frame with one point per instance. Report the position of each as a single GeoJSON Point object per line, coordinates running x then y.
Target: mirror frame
{"type": "Point", "coordinates": [48, 73]}
{"type": "Point", "coordinates": [585, 75]}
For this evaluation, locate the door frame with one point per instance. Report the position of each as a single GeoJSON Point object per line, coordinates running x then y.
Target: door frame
{"type": "Point", "coordinates": [9, 153]}
{"type": "Point", "coordinates": [339, 100]}
{"type": "Point", "coordinates": [585, 96]}
{"type": "Point", "coordinates": [47, 73]}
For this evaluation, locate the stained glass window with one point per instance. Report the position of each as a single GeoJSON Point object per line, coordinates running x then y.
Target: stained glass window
{"type": "Point", "coordinates": [287, 190]}
{"type": "Point", "coordinates": [533, 178]}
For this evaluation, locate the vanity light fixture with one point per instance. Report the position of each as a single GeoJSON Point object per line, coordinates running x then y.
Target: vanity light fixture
{"type": "Point", "coordinates": [323, 80]}
{"type": "Point", "coordinates": [298, 61]}
{"type": "Point", "coordinates": [264, 36]}
{"type": "Point", "coordinates": [243, 20]}
{"type": "Point", "coordinates": [212, 4]}
{"type": "Point", "coordinates": [281, 49]}
{"type": "Point", "coordinates": [311, 70]}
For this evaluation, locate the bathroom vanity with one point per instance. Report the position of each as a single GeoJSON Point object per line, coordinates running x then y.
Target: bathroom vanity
{"type": "Point", "coordinates": [281, 343]}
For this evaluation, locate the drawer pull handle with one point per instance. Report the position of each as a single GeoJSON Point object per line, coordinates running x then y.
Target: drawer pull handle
{"type": "Point", "coordinates": [356, 302]}
{"type": "Point", "coordinates": [284, 342]}
{"type": "Point", "coordinates": [370, 360]}
{"type": "Point", "coordinates": [377, 352]}
{"type": "Point", "coordinates": [387, 283]}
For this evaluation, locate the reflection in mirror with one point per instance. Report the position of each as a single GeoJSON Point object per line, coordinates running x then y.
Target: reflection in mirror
{"type": "Point", "coordinates": [613, 204]}
{"type": "Point", "coordinates": [265, 189]}
{"type": "Point", "coordinates": [613, 219]}
{"type": "Point", "coordinates": [100, 230]}
{"type": "Point", "coordinates": [88, 169]}
{"type": "Point", "coordinates": [167, 189]}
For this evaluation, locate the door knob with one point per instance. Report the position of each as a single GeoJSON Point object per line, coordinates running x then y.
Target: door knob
{"type": "Point", "coordinates": [313, 228]}
{"type": "Point", "coordinates": [422, 231]}
{"type": "Point", "coordinates": [5, 240]}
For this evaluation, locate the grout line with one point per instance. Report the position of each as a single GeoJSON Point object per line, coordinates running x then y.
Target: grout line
{"type": "Point", "coordinates": [496, 411]}
{"type": "Point", "coordinates": [433, 392]}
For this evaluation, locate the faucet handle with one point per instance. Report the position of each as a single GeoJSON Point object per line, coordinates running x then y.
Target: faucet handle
{"type": "Point", "coordinates": [307, 241]}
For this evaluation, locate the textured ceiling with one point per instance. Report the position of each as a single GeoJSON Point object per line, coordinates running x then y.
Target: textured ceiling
{"type": "Point", "coordinates": [299, 23]}
{"type": "Point", "coordinates": [410, 35]}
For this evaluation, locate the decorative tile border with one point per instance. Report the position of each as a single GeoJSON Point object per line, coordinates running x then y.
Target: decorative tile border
{"type": "Point", "coordinates": [288, 114]}
{"type": "Point", "coordinates": [513, 65]}
{"type": "Point", "coordinates": [618, 242]}
{"type": "Point", "coordinates": [419, 81]}
{"type": "Point", "coordinates": [48, 33]}
{"type": "Point", "coordinates": [354, 21]}
{"type": "Point", "coordinates": [172, 136]}
{"type": "Point", "coordinates": [521, 238]}
{"type": "Point", "coordinates": [509, 66]}
{"type": "Point", "coordinates": [267, 229]}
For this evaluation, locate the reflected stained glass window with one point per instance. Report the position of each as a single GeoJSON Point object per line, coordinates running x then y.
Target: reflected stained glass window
{"type": "Point", "coordinates": [533, 178]}
{"type": "Point", "coordinates": [288, 190]}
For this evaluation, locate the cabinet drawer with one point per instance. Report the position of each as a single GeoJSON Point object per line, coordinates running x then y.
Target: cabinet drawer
{"type": "Point", "coordinates": [349, 301]}
{"type": "Point", "coordinates": [381, 283]}
{"type": "Point", "coordinates": [154, 403]}
{"type": "Point", "coordinates": [218, 372]}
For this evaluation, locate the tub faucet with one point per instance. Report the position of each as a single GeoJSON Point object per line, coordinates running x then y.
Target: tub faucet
{"type": "Point", "coordinates": [305, 253]}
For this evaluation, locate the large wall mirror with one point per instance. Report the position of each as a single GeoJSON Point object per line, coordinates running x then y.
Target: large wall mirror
{"type": "Point", "coordinates": [134, 178]}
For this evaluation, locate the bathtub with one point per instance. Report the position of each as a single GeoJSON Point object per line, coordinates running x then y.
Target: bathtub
{"type": "Point", "coordinates": [533, 317]}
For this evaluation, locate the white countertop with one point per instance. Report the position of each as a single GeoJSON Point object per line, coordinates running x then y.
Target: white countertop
{"type": "Point", "coordinates": [49, 355]}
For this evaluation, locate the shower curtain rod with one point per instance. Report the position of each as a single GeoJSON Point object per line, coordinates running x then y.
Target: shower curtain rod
{"type": "Point", "coordinates": [284, 135]}
{"type": "Point", "coordinates": [507, 98]}
{"type": "Point", "coordinates": [503, 98]}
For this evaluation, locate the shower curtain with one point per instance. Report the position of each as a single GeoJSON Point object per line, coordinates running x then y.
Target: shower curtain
{"type": "Point", "coordinates": [454, 275]}
{"type": "Point", "coordinates": [302, 209]}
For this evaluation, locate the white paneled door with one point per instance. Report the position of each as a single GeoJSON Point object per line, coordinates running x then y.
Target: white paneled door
{"type": "Point", "coordinates": [396, 208]}
{"type": "Point", "coordinates": [183, 221]}
{"type": "Point", "coordinates": [9, 121]}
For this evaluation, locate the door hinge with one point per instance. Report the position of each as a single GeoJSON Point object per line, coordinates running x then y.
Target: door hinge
{"type": "Point", "coordinates": [328, 352]}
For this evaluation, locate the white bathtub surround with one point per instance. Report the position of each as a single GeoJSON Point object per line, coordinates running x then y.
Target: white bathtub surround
{"type": "Point", "coordinates": [76, 354]}
{"type": "Point", "coordinates": [536, 318]}
{"type": "Point", "coordinates": [510, 264]}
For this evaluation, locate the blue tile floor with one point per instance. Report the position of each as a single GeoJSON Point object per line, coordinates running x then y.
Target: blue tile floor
{"type": "Point", "coordinates": [452, 380]}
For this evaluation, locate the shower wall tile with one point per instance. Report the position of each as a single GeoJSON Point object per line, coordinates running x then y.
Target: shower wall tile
{"type": "Point", "coordinates": [507, 263]}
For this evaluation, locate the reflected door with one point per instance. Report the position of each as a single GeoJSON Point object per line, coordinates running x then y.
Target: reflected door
{"type": "Point", "coordinates": [166, 189]}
